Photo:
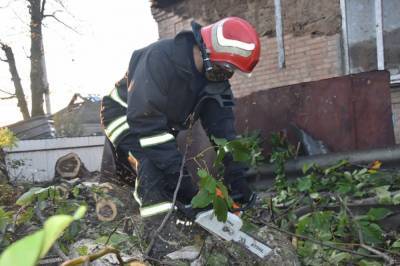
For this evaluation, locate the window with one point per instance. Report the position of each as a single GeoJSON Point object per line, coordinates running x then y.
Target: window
{"type": "Point", "coordinates": [365, 23]}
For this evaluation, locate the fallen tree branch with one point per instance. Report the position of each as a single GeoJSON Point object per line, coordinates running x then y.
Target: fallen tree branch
{"type": "Point", "coordinates": [92, 257]}
{"type": "Point", "coordinates": [56, 248]}
{"type": "Point", "coordinates": [160, 262]}
{"type": "Point", "coordinates": [321, 243]}
{"type": "Point", "coordinates": [371, 202]}
{"type": "Point", "coordinates": [384, 256]}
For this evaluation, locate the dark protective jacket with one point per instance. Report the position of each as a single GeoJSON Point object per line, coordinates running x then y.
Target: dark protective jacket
{"type": "Point", "coordinates": [158, 98]}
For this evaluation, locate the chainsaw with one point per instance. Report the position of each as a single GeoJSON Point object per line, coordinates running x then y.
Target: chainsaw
{"type": "Point", "coordinates": [229, 230]}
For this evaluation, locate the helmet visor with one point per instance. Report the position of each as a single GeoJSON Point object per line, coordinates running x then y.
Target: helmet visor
{"type": "Point", "coordinates": [220, 71]}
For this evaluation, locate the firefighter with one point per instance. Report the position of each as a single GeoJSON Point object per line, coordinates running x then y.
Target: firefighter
{"type": "Point", "coordinates": [168, 85]}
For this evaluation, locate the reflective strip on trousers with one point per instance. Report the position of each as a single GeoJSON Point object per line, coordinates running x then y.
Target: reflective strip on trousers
{"type": "Point", "coordinates": [135, 193]}
{"type": "Point", "coordinates": [155, 209]}
{"type": "Point", "coordinates": [115, 96]}
{"type": "Point", "coordinates": [156, 139]}
{"type": "Point", "coordinates": [116, 128]}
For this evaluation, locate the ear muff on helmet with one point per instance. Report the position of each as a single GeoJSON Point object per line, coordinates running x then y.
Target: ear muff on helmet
{"type": "Point", "coordinates": [196, 28]}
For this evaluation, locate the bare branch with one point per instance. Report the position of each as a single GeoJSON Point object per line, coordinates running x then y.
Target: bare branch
{"type": "Point", "coordinates": [42, 8]}
{"type": "Point", "coordinates": [7, 98]}
{"type": "Point", "coordinates": [9, 93]}
{"type": "Point", "coordinates": [94, 256]}
{"type": "Point", "coordinates": [60, 3]}
{"type": "Point", "coordinates": [60, 21]}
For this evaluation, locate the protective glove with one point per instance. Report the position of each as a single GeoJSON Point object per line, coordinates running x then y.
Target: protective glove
{"type": "Point", "coordinates": [235, 180]}
{"type": "Point", "coordinates": [187, 190]}
{"type": "Point", "coordinates": [241, 190]}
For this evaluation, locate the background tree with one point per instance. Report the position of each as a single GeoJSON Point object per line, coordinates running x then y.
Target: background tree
{"type": "Point", "coordinates": [39, 83]}
{"type": "Point", "coordinates": [38, 73]}
{"type": "Point", "coordinates": [19, 91]}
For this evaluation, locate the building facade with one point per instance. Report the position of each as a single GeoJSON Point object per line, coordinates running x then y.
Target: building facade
{"type": "Point", "coordinates": [321, 38]}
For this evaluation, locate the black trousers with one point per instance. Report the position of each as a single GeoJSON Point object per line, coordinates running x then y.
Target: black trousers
{"type": "Point", "coordinates": [150, 183]}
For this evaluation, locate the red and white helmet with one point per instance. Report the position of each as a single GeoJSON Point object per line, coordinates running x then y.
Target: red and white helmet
{"type": "Point", "coordinates": [234, 41]}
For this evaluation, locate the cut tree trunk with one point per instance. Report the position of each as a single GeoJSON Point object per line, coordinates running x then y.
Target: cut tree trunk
{"type": "Point", "coordinates": [70, 166]}
{"type": "Point", "coordinates": [19, 91]}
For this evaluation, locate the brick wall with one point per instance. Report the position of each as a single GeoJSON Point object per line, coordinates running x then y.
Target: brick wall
{"type": "Point", "coordinates": [307, 58]}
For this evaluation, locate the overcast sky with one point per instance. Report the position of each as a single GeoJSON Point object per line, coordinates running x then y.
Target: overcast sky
{"type": "Point", "coordinates": [87, 59]}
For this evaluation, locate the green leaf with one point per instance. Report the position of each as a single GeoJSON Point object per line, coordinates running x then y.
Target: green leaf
{"type": "Point", "coordinates": [335, 167]}
{"type": "Point", "coordinates": [24, 252]}
{"type": "Point", "coordinates": [376, 214]}
{"type": "Point", "coordinates": [303, 224]}
{"type": "Point", "coordinates": [396, 244]}
{"type": "Point", "coordinates": [207, 182]}
{"type": "Point", "coordinates": [220, 209]}
{"type": "Point", "coordinates": [307, 167]}
{"type": "Point", "coordinates": [239, 151]}
{"type": "Point", "coordinates": [347, 175]}
{"type": "Point", "coordinates": [304, 184]}
{"type": "Point", "coordinates": [396, 199]}
{"type": "Point", "coordinates": [76, 191]}
{"type": "Point", "coordinates": [344, 187]}
{"type": "Point", "coordinates": [335, 259]}
{"type": "Point", "coordinates": [82, 250]}
{"type": "Point", "coordinates": [55, 226]}
{"type": "Point", "coordinates": [225, 194]}
{"type": "Point", "coordinates": [369, 263]}
{"type": "Point", "coordinates": [315, 195]}
{"type": "Point", "coordinates": [383, 194]}
{"type": "Point", "coordinates": [371, 232]}
{"type": "Point", "coordinates": [28, 197]}
{"type": "Point", "coordinates": [115, 239]}
{"type": "Point", "coordinates": [80, 212]}
{"type": "Point", "coordinates": [5, 219]}
{"type": "Point", "coordinates": [220, 157]}
{"type": "Point", "coordinates": [36, 193]}
{"type": "Point", "coordinates": [219, 141]}
{"type": "Point", "coordinates": [202, 199]}
{"type": "Point", "coordinates": [211, 186]}
{"type": "Point", "coordinates": [38, 244]}
{"type": "Point", "coordinates": [202, 173]}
